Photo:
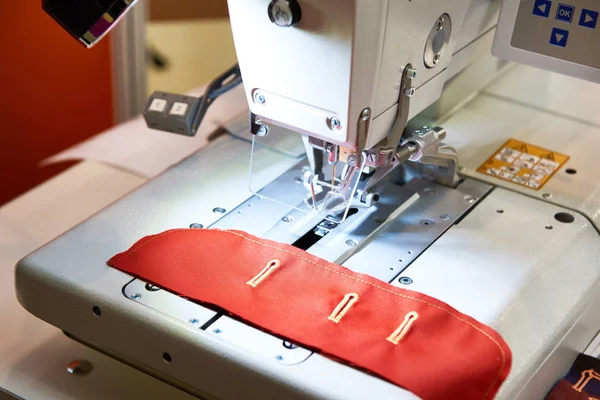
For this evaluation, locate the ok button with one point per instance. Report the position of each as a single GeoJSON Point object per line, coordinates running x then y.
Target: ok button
{"type": "Point", "coordinates": [565, 12]}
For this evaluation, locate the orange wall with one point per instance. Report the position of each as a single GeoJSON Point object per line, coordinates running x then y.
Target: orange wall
{"type": "Point", "coordinates": [53, 94]}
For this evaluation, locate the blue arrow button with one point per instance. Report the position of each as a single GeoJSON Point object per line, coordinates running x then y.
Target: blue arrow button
{"type": "Point", "coordinates": [559, 37]}
{"type": "Point", "coordinates": [588, 19]}
{"type": "Point", "coordinates": [541, 8]}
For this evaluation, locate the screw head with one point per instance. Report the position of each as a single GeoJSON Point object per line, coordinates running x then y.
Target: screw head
{"type": "Point", "coordinates": [219, 210]}
{"type": "Point", "coordinates": [259, 98]}
{"type": "Point", "coordinates": [351, 160]}
{"type": "Point", "coordinates": [335, 123]}
{"type": "Point", "coordinates": [351, 243]}
{"type": "Point", "coordinates": [194, 321]}
{"type": "Point", "coordinates": [405, 280]}
{"type": "Point", "coordinates": [546, 195]}
{"type": "Point", "coordinates": [279, 357]}
{"type": "Point", "coordinates": [409, 91]}
{"type": "Point", "coordinates": [366, 114]}
{"type": "Point", "coordinates": [136, 296]}
{"type": "Point", "coordinates": [196, 226]}
{"type": "Point", "coordinates": [411, 73]}
{"type": "Point", "coordinates": [262, 131]}
{"type": "Point", "coordinates": [445, 217]}
{"type": "Point", "coordinates": [217, 331]}
{"type": "Point", "coordinates": [436, 58]}
{"type": "Point", "coordinates": [470, 199]}
{"type": "Point", "coordinates": [426, 222]}
{"type": "Point", "coordinates": [288, 218]}
{"type": "Point", "coordinates": [440, 23]}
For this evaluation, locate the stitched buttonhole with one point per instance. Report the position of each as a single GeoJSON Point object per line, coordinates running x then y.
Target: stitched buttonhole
{"type": "Point", "coordinates": [404, 327]}
{"type": "Point", "coordinates": [343, 307]}
{"type": "Point", "coordinates": [264, 274]}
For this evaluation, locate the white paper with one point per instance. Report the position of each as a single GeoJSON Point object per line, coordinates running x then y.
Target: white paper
{"type": "Point", "coordinates": [134, 147]}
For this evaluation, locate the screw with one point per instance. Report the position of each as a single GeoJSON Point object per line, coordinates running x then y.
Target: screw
{"type": "Point", "coordinates": [219, 210]}
{"type": "Point", "coordinates": [440, 23]}
{"type": "Point", "coordinates": [351, 243]}
{"type": "Point", "coordinates": [429, 191]}
{"type": "Point", "coordinates": [366, 114]}
{"type": "Point", "coordinates": [194, 321]}
{"type": "Point", "coordinates": [436, 58]}
{"type": "Point", "coordinates": [279, 357]}
{"type": "Point", "coordinates": [351, 160]}
{"type": "Point", "coordinates": [217, 331]}
{"type": "Point", "coordinates": [79, 367]}
{"type": "Point", "coordinates": [378, 221]}
{"type": "Point", "coordinates": [409, 91]}
{"type": "Point", "coordinates": [426, 222]}
{"type": "Point", "coordinates": [445, 217]}
{"type": "Point", "coordinates": [411, 73]}
{"type": "Point", "coordinates": [549, 227]}
{"type": "Point", "coordinates": [405, 280]}
{"type": "Point", "coordinates": [419, 133]}
{"type": "Point", "coordinates": [547, 195]}
{"type": "Point", "coordinates": [136, 296]}
{"type": "Point", "coordinates": [196, 226]}
{"type": "Point", "coordinates": [470, 199]}
{"type": "Point", "coordinates": [259, 98]}
{"type": "Point", "coordinates": [262, 131]}
{"type": "Point", "coordinates": [335, 123]}
{"type": "Point", "coordinates": [288, 218]}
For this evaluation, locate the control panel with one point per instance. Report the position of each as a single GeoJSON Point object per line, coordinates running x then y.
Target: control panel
{"type": "Point", "coordinates": [556, 35]}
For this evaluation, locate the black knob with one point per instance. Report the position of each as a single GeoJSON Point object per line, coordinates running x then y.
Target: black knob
{"type": "Point", "coordinates": [284, 12]}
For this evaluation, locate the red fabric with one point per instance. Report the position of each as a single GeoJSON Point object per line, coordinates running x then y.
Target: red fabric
{"type": "Point", "coordinates": [444, 354]}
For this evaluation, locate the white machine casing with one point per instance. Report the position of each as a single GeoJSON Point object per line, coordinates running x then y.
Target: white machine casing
{"type": "Point", "coordinates": [348, 55]}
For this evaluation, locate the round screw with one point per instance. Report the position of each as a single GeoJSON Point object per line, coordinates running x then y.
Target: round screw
{"type": "Point", "coordinates": [288, 218]}
{"type": "Point", "coordinates": [219, 210]}
{"type": "Point", "coordinates": [136, 296]}
{"type": "Point", "coordinates": [259, 98]}
{"type": "Point", "coordinates": [351, 159]}
{"type": "Point", "coordinates": [194, 321]}
{"type": "Point", "coordinates": [445, 217]}
{"type": "Point", "coordinates": [409, 91]}
{"type": "Point", "coordinates": [196, 226]}
{"type": "Point", "coordinates": [546, 195]}
{"type": "Point", "coordinates": [262, 131]}
{"type": "Point", "coordinates": [405, 280]}
{"type": "Point", "coordinates": [429, 191]}
{"type": "Point", "coordinates": [411, 73]}
{"type": "Point", "coordinates": [440, 23]}
{"type": "Point", "coordinates": [470, 199]}
{"type": "Point", "coordinates": [217, 331]}
{"type": "Point", "coordinates": [351, 243]}
{"type": "Point", "coordinates": [426, 222]}
{"type": "Point", "coordinates": [79, 367]}
{"type": "Point", "coordinates": [366, 114]}
{"type": "Point", "coordinates": [549, 227]}
{"type": "Point", "coordinates": [436, 58]}
{"type": "Point", "coordinates": [335, 123]}
{"type": "Point", "coordinates": [279, 357]}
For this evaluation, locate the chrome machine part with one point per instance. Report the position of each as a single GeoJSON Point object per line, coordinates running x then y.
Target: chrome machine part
{"type": "Point", "coordinates": [436, 161]}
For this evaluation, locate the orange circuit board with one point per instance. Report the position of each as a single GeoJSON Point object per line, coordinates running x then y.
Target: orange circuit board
{"type": "Point", "coordinates": [524, 164]}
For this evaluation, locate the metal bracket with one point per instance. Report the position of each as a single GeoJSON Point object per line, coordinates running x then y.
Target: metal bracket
{"type": "Point", "coordinates": [437, 162]}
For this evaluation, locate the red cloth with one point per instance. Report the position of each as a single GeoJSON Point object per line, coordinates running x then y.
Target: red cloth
{"type": "Point", "coordinates": [443, 354]}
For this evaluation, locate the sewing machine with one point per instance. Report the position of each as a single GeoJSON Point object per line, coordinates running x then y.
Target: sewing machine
{"type": "Point", "coordinates": [500, 229]}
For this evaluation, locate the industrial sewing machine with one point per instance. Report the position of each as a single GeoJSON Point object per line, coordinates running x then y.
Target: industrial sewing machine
{"type": "Point", "coordinates": [495, 227]}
